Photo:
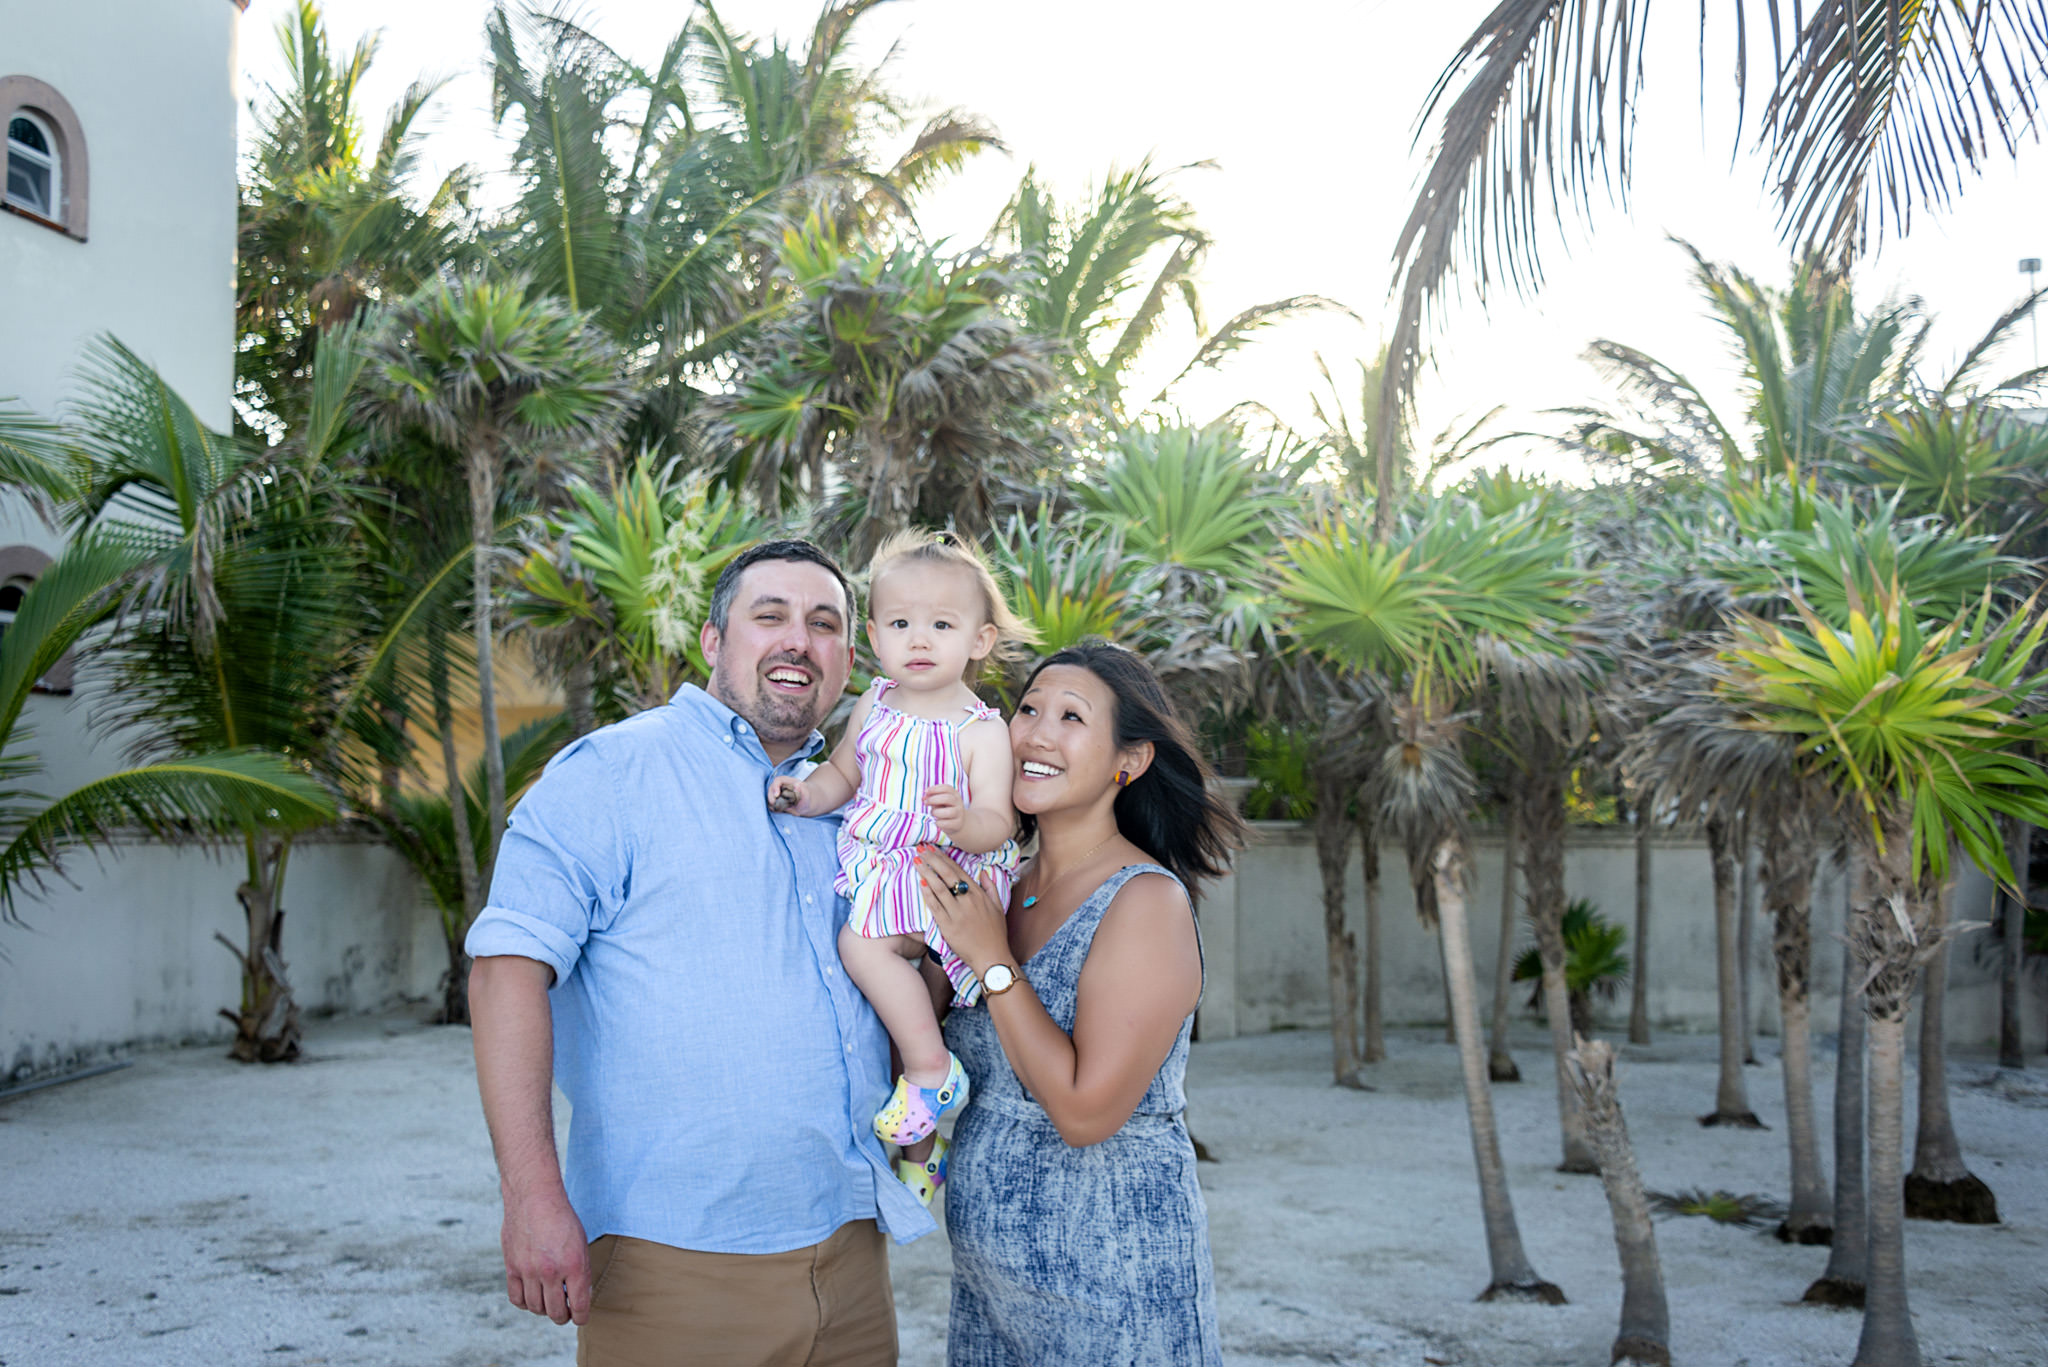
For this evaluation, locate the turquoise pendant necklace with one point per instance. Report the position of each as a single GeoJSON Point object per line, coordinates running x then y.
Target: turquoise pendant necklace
{"type": "Point", "coordinates": [1032, 900]}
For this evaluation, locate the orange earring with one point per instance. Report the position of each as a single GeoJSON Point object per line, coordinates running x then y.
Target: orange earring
{"type": "Point", "coordinates": [1123, 779]}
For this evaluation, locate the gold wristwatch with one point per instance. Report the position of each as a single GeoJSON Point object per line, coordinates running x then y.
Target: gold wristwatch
{"type": "Point", "coordinates": [999, 979]}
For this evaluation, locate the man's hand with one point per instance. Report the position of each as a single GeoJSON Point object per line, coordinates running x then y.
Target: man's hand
{"type": "Point", "coordinates": [786, 794]}
{"type": "Point", "coordinates": [547, 1263]}
{"type": "Point", "coordinates": [942, 800]}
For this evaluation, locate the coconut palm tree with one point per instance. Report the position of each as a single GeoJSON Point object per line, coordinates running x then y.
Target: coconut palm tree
{"type": "Point", "coordinates": [1104, 274]}
{"type": "Point", "coordinates": [328, 221]}
{"type": "Point", "coordinates": [1921, 733]}
{"type": "Point", "coordinates": [240, 627]}
{"type": "Point", "coordinates": [205, 796]}
{"type": "Point", "coordinates": [487, 371]}
{"type": "Point", "coordinates": [801, 129]}
{"type": "Point", "coordinates": [1417, 609]}
{"type": "Point", "coordinates": [1873, 107]}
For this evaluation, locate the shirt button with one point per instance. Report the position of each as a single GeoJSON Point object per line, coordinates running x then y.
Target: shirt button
{"type": "Point", "coordinates": [849, 1048]}
{"type": "Point", "coordinates": [808, 899]}
{"type": "Point", "coordinates": [831, 972]}
{"type": "Point", "coordinates": [728, 740]}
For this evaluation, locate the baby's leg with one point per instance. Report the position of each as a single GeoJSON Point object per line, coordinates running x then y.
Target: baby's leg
{"type": "Point", "coordinates": [885, 971]}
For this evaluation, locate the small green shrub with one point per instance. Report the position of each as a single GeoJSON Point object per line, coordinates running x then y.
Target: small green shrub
{"type": "Point", "coordinates": [1594, 963]}
{"type": "Point", "coordinates": [1749, 1210]}
{"type": "Point", "coordinates": [1276, 758]}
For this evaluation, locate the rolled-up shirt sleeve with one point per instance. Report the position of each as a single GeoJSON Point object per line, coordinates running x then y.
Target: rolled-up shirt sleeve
{"type": "Point", "coordinates": [560, 870]}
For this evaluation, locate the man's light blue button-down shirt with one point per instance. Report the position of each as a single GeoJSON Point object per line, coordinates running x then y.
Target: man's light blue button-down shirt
{"type": "Point", "coordinates": [722, 1072]}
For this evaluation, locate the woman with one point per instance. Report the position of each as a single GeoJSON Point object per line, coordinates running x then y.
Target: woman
{"type": "Point", "coordinates": [1078, 1230]}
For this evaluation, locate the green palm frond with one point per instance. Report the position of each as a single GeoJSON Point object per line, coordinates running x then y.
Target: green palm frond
{"type": "Point", "coordinates": [1187, 497]}
{"type": "Point", "coordinates": [1916, 727]}
{"type": "Point", "coordinates": [1839, 556]}
{"type": "Point", "coordinates": [1969, 461]}
{"type": "Point", "coordinates": [1070, 583]}
{"type": "Point", "coordinates": [421, 826]}
{"type": "Point", "coordinates": [35, 454]}
{"type": "Point", "coordinates": [1417, 604]}
{"type": "Point", "coordinates": [199, 796]}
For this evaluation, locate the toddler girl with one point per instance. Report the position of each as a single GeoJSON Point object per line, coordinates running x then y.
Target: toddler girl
{"type": "Point", "coordinates": [923, 761]}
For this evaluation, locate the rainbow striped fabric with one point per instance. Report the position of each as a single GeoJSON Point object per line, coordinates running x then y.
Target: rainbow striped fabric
{"type": "Point", "coordinates": [900, 756]}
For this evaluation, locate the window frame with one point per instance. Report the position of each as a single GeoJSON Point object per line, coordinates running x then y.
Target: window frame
{"type": "Point", "coordinates": [51, 160]}
{"type": "Point", "coordinates": [70, 179]}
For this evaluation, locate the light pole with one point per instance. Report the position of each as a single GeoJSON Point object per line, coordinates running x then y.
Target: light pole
{"type": "Point", "coordinates": [2030, 266]}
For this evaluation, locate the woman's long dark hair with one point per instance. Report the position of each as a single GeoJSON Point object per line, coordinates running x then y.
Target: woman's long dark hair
{"type": "Point", "coordinates": [1171, 811]}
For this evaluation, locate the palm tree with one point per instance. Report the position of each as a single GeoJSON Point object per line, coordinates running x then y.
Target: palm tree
{"type": "Point", "coordinates": [1645, 1336]}
{"type": "Point", "coordinates": [1417, 607]}
{"type": "Point", "coordinates": [1848, 1269]}
{"type": "Point", "coordinates": [423, 827]}
{"type": "Point", "coordinates": [206, 796]}
{"type": "Point", "coordinates": [489, 372]}
{"type": "Point", "coordinates": [1920, 732]}
{"type": "Point", "coordinates": [1104, 274]}
{"type": "Point", "coordinates": [1874, 106]}
{"type": "Point", "coordinates": [800, 130]}
{"type": "Point", "coordinates": [626, 576]}
{"type": "Point", "coordinates": [239, 631]}
{"type": "Point", "coordinates": [895, 371]}
{"type": "Point", "coordinates": [328, 225]}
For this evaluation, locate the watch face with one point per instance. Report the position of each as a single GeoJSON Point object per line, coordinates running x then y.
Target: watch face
{"type": "Point", "coordinates": [999, 978]}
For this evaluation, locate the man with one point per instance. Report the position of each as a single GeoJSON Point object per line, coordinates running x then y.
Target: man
{"type": "Point", "coordinates": [665, 947]}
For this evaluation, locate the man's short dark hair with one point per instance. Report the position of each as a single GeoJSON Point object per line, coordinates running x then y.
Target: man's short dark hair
{"type": "Point", "coordinates": [728, 585]}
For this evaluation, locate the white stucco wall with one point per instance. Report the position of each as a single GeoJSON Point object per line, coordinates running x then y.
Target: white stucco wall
{"type": "Point", "coordinates": [153, 85]}
{"type": "Point", "coordinates": [1263, 933]}
{"type": "Point", "coordinates": [124, 955]}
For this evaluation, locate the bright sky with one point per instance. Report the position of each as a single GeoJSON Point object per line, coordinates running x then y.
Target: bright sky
{"type": "Point", "coordinates": [1307, 108]}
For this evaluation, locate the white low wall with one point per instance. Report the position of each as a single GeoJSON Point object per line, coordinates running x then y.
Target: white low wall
{"type": "Point", "coordinates": [123, 954]}
{"type": "Point", "coordinates": [1268, 970]}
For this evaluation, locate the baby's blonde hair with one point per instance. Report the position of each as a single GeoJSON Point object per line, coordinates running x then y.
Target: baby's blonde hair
{"type": "Point", "coordinates": [1014, 635]}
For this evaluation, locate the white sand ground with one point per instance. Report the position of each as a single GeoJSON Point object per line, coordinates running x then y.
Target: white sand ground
{"type": "Point", "coordinates": [344, 1211]}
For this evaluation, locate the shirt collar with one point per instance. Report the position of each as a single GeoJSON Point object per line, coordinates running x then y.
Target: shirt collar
{"type": "Point", "coordinates": [708, 712]}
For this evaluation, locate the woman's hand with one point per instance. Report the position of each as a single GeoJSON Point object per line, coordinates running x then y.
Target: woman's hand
{"type": "Point", "coordinates": [974, 922]}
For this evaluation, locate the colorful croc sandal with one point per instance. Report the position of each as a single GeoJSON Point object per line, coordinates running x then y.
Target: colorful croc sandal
{"type": "Point", "coordinates": [924, 1179]}
{"type": "Point", "coordinates": [913, 1112]}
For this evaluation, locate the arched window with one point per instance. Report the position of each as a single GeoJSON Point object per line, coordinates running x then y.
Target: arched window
{"type": "Point", "coordinates": [44, 148]}
{"type": "Point", "coordinates": [34, 176]}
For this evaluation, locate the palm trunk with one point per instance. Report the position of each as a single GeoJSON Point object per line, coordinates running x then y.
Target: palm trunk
{"type": "Point", "coordinates": [1375, 1008]}
{"type": "Point", "coordinates": [1543, 825]}
{"type": "Point", "coordinates": [1941, 1185]}
{"type": "Point", "coordinates": [455, 985]}
{"type": "Point", "coordinates": [267, 1025]}
{"type": "Point", "coordinates": [1887, 1339]}
{"type": "Point", "coordinates": [1745, 932]}
{"type": "Point", "coordinates": [2012, 1044]}
{"type": "Point", "coordinates": [1790, 858]}
{"type": "Point", "coordinates": [1500, 1064]}
{"type": "Point", "coordinates": [1512, 1276]}
{"type": "Point", "coordinates": [1731, 1095]}
{"type": "Point", "coordinates": [483, 502]}
{"type": "Point", "coordinates": [1639, 982]}
{"type": "Point", "coordinates": [1645, 1335]}
{"type": "Point", "coordinates": [579, 688]}
{"type": "Point", "coordinates": [1890, 953]}
{"type": "Point", "coordinates": [1333, 853]}
{"type": "Point", "coordinates": [1849, 1255]}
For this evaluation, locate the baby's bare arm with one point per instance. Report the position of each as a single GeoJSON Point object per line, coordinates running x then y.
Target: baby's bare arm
{"type": "Point", "coordinates": [990, 819]}
{"type": "Point", "coordinates": [831, 785]}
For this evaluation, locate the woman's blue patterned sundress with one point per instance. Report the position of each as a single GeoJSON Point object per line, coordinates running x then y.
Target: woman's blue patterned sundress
{"type": "Point", "coordinates": [1065, 1257]}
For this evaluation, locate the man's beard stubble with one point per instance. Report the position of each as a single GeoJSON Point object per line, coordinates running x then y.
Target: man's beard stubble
{"type": "Point", "coordinates": [775, 719]}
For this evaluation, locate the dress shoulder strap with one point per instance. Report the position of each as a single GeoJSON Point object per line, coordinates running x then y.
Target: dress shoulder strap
{"type": "Point", "coordinates": [980, 711]}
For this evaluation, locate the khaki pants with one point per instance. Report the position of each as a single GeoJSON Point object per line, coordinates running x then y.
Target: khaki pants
{"type": "Point", "coordinates": [828, 1305]}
